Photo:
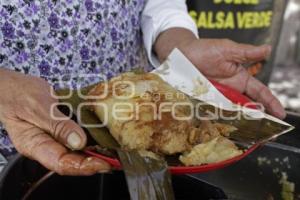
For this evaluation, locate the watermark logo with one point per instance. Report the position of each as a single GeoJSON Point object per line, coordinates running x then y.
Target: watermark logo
{"type": "Point", "coordinates": [132, 104]}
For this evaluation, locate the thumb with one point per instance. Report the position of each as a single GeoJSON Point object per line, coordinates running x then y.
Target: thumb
{"type": "Point", "coordinates": [67, 132]}
{"type": "Point", "coordinates": [245, 53]}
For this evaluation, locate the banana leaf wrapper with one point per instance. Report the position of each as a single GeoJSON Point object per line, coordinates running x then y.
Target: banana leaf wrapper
{"type": "Point", "coordinates": [250, 131]}
{"type": "Point", "coordinates": [147, 179]}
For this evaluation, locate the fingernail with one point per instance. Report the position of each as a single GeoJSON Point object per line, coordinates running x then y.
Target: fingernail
{"type": "Point", "coordinates": [74, 140]}
{"type": "Point", "coordinates": [98, 164]}
{"type": "Point", "coordinates": [105, 168]}
{"type": "Point", "coordinates": [281, 114]}
{"type": "Point", "coordinates": [269, 50]}
{"type": "Point", "coordinates": [107, 171]}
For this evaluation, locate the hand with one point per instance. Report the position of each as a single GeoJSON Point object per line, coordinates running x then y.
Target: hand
{"type": "Point", "coordinates": [25, 104]}
{"type": "Point", "coordinates": [221, 60]}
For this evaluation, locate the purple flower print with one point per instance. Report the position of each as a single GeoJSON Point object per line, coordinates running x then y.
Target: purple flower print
{"type": "Point", "coordinates": [99, 27]}
{"type": "Point", "coordinates": [44, 68]}
{"type": "Point", "coordinates": [22, 57]}
{"type": "Point", "coordinates": [98, 5]}
{"type": "Point", "coordinates": [41, 52]}
{"type": "Point", "coordinates": [31, 44]}
{"type": "Point", "coordinates": [56, 70]}
{"type": "Point", "coordinates": [66, 45]}
{"type": "Point", "coordinates": [19, 59]}
{"type": "Point", "coordinates": [84, 52]}
{"type": "Point", "coordinates": [28, 11]}
{"type": "Point", "coordinates": [81, 37]}
{"type": "Point", "coordinates": [20, 33]}
{"type": "Point", "coordinates": [8, 30]}
{"type": "Point", "coordinates": [63, 48]}
{"type": "Point", "coordinates": [106, 66]}
{"type": "Point", "coordinates": [94, 53]}
{"type": "Point", "coordinates": [53, 20]}
{"type": "Point", "coordinates": [114, 34]}
{"type": "Point", "coordinates": [131, 61]}
{"type": "Point", "coordinates": [3, 13]}
{"type": "Point", "coordinates": [121, 56]}
{"type": "Point", "coordinates": [6, 140]}
{"type": "Point", "coordinates": [64, 22]}
{"type": "Point", "coordinates": [134, 21]}
{"type": "Point", "coordinates": [34, 8]}
{"type": "Point", "coordinates": [89, 5]}
{"type": "Point", "coordinates": [109, 75]}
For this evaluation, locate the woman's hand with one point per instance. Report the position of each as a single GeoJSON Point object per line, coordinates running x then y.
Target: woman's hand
{"type": "Point", "coordinates": [221, 60]}
{"type": "Point", "coordinates": [25, 104]}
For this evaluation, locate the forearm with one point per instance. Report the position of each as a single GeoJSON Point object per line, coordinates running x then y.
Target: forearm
{"type": "Point", "coordinates": [3, 74]}
{"type": "Point", "coordinates": [6, 76]}
{"type": "Point", "coordinates": [171, 38]}
{"type": "Point", "coordinates": [2, 70]}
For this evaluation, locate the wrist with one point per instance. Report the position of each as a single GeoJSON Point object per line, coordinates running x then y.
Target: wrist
{"type": "Point", "coordinates": [2, 70]}
{"type": "Point", "coordinates": [173, 38]}
{"type": "Point", "coordinates": [3, 73]}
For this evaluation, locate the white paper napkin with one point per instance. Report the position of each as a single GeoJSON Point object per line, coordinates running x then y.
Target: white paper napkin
{"type": "Point", "coordinates": [180, 73]}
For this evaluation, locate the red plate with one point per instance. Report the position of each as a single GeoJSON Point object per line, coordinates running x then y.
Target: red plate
{"type": "Point", "coordinates": [232, 94]}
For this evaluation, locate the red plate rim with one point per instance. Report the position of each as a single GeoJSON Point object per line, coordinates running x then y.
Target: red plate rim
{"type": "Point", "coordinates": [232, 94]}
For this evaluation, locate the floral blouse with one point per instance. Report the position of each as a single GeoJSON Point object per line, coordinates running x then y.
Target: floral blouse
{"type": "Point", "coordinates": [69, 39]}
{"type": "Point", "coordinates": [74, 41]}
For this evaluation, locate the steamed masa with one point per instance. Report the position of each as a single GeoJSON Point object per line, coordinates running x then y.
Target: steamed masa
{"type": "Point", "coordinates": [139, 116]}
